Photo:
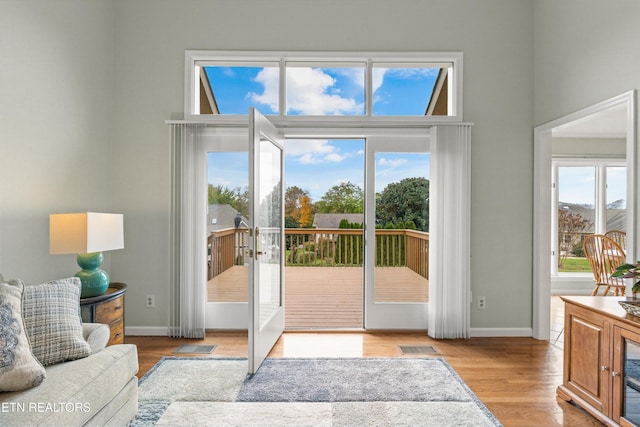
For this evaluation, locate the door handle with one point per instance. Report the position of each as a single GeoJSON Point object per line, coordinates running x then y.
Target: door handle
{"type": "Point", "coordinates": [256, 243]}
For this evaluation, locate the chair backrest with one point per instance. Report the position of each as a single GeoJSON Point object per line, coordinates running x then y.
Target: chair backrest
{"type": "Point", "coordinates": [604, 255]}
{"type": "Point", "coordinates": [618, 236]}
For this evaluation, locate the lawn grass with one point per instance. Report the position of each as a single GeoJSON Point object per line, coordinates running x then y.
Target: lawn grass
{"type": "Point", "coordinates": [575, 265]}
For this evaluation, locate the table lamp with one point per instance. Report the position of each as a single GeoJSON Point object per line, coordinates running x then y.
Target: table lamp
{"type": "Point", "coordinates": [87, 234]}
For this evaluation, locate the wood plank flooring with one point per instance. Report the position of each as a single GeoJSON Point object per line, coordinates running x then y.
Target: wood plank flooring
{"type": "Point", "coordinates": [325, 297]}
{"type": "Point", "coordinates": [516, 378]}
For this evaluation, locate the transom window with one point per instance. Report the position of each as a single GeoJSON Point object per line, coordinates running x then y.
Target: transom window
{"type": "Point", "coordinates": [414, 86]}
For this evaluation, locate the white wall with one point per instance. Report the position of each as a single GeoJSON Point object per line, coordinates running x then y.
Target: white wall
{"type": "Point", "coordinates": [56, 102]}
{"type": "Point", "coordinates": [136, 51]}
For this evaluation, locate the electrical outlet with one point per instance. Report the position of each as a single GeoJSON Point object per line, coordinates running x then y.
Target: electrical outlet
{"type": "Point", "coordinates": [151, 301]}
{"type": "Point", "coordinates": [482, 303]}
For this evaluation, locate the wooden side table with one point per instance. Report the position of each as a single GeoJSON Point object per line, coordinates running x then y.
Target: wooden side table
{"type": "Point", "coordinates": [107, 309]}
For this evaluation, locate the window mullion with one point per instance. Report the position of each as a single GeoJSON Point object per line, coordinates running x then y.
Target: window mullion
{"type": "Point", "coordinates": [368, 95]}
{"type": "Point", "coordinates": [601, 199]}
{"type": "Point", "coordinates": [282, 90]}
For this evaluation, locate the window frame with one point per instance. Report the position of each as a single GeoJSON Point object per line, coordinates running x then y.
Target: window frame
{"type": "Point", "coordinates": [600, 165]}
{"type": "Point", "coordinates": [194, 59]}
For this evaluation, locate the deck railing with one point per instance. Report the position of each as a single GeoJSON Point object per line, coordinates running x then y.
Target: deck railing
{"type": "Point", "coordinates": [326, 248]}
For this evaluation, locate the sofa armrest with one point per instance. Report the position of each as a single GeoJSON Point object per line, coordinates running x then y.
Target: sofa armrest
{"type": "Point", "coordinates": [97, 335]}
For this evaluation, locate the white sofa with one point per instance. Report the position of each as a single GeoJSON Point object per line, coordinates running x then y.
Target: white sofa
{"type": "Point", "coordinates": [99, 388]}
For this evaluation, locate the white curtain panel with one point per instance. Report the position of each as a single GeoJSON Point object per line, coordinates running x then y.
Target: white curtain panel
{"type": "Point", "coordinates": [450, 216]}
{"type": "Point", "coordinates": [188, 292]}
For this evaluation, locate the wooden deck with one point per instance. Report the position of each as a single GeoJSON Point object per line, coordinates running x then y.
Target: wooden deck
{"type": "Point", "coordinates": [325, 297]}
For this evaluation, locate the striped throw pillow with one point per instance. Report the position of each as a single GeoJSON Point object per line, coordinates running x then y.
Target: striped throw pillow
{"type": "Point", "coordinates": [51, 313]}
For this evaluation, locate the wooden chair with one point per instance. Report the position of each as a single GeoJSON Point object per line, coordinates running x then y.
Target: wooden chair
{"type": "Point", "coordinates": [604, 255]}
{"type": "Point", "coordinates": [618, 236]}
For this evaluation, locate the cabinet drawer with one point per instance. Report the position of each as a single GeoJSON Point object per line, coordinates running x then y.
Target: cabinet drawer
{"type": "Point", "coordinates": [110, 311]}
{"type": "Point", "coordinates": [117, 332]}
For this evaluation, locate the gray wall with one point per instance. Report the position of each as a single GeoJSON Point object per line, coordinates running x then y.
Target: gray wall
{"type": "Point", "coordinates": [585, 52]}
{"type": "Point", "coordinates": [95, 80]}
{"type": "Point", "coordinates": [56, 126]}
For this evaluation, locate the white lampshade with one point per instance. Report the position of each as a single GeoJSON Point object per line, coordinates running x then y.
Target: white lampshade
{"type": "Point", "coordinates": [87, 232]}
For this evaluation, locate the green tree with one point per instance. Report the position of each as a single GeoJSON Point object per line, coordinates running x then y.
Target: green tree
{"type": "Point", "coordinates": [237, 197]}
{"type": "Point", "coordinates": [345, 197]}
{"type": "Point", "coordinates": [571, 226]}
{"type": "Point", "coordinates": [404, 203]}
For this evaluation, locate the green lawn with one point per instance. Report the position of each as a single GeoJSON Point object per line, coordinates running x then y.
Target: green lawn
{"type": "Point", "coordinates": [575, 265]}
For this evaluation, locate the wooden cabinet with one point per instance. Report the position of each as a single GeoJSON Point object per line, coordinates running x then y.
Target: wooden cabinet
{"type": "Point", "coordinates": [107, 309]}
{"type": "Point", "coordinates": [602, 359]}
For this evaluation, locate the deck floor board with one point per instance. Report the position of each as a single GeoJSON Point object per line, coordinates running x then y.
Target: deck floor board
{"type": "Point", "coordinates": [325, 297]}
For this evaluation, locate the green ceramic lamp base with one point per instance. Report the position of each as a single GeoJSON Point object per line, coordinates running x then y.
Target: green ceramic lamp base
{"type": "Point", "coordinates": [95, 281]}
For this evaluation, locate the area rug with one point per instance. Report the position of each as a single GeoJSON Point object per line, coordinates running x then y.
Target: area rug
{"type": "Point", "coordinates": [308, 392]}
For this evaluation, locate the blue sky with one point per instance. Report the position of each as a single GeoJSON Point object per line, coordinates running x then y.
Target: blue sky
{"type": "Point", "coordinates": [576, 184]}
{"type": "Point", "coordinates": [317, 164]}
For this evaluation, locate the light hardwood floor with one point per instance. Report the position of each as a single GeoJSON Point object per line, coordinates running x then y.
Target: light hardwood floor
{"type": "Point", "coordinates": [516, 378]}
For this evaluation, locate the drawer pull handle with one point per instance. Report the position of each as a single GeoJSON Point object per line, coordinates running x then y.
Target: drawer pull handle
{"type": "Point", "coordinates": [118, 334]}
{"type": "Point", "coordinates": [604, 368]}
{"type": "Point", "coordinates": [117, 307]}
{"type": "Point", "coordinates": [614, 374]}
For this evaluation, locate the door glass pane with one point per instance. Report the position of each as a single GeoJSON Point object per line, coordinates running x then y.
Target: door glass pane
{"type": "Point", "coordinates": [269, 225]}
{"type": "Point", "coordinates": [324, 205]}
{"type": "Point", "coordinates": [617, 198]}
{"type": "Point", "coordinates": [401, 271]}
{"type": "Point", "coordinates": [227, 227]}
{"type": "Point", "coordinates": [314, 90]}
{"type": "Point", "coordinates": [631, 405]}
{"type": "Point", "coordinates": [576, 215]}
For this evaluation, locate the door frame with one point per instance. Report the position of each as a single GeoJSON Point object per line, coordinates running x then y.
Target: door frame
{"type": "Point", "coordinates": [542, 159]}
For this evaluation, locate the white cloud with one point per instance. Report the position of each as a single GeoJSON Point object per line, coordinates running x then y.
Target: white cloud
{"type": "Point", "coordinates": [392, 163]}
{"type": "Point", "coordinates": [313, 151]}
{"type": "Point", "coordinates": [378, 78]}
{"type": "Point", "coordinates": [269, 78]}
{"type": "Point", "coordinates": [334, 157]}
{"type": "Point", "coordinates": [310, 91]}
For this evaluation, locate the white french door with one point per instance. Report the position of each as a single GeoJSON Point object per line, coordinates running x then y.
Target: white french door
{"type": "Point", "coordinates": [396, 260]}
{"type": "Point", "coordinates": [266, 238]}
{"type": "Point", "coordinates": [261, 307]}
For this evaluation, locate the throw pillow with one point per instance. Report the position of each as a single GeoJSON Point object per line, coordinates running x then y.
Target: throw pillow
{"type": "Point", "coordinates": [19, 369]}
{"type": "Point", "coordinates": [51, 313]}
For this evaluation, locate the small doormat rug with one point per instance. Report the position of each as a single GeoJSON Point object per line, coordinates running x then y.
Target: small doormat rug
{"type": "Point", "coordinates": [308, 392]}
{"type": "Point", "coordinates": [194, 349]}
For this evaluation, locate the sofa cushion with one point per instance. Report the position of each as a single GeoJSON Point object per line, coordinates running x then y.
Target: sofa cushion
{"type": "Point", "coordinates": [19, 369]}
{"type": "Point", "coordinates": [51, 313]}
{"type": "Point", "coordinates": [74, 392]}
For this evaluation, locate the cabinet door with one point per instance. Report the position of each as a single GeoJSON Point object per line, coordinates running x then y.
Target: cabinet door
{"type": "Point", "coordinates": [587, 368]}
{"type": "Point", "coordinates": [626, 377]}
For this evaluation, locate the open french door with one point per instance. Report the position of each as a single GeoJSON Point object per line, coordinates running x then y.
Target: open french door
{"type": "Point", "coordinates": [266, 242]}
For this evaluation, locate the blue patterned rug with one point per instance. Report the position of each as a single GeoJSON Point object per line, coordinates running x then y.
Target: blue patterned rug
{"type": "Point", "coordinates": [308, 392]}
